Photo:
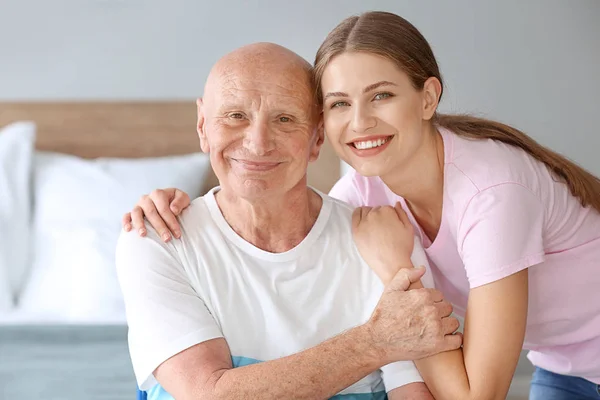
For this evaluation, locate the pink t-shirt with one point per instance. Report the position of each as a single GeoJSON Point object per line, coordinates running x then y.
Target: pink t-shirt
{"type": "Point", "coordinates": [503, 212]}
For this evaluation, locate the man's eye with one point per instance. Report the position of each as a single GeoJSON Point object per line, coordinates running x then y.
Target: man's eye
{"type": "Point", "coordinates": [236, 115]}
{"type": "Point", "coordinates": [381, 96]}
{"type": "Point", "coordinates": [284, 119]}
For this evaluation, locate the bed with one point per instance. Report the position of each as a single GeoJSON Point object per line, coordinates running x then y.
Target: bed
{"type": "Point", "coordinates": [81, 359]}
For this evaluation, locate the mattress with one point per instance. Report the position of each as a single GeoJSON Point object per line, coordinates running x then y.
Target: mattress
{"type": "Point", "coordinates": [65, 362]}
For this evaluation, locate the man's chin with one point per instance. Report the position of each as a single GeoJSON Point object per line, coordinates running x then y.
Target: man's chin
{"type": "Point", "coordinates": [252, 188]}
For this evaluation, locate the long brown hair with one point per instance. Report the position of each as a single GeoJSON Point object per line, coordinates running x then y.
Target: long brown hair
{"type": "Point", "coordinates": [396, 39]}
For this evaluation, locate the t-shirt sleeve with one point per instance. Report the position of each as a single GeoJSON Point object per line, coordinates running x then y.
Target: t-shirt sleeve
{"type": "Point", "coordinates": [164, 313]}
{"type": "Point", "coordinates": [346, 190]}
{"type": "Point", "coordinates": [419, 258]}
{"type": "Point", "coordinates": [399, 374]}
{"type": "Point", "coordinates": [501, 233]}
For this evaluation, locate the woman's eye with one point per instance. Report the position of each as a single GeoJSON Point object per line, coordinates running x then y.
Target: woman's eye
{"type": "Point", "coordinates": [381, 96]}
{"type": "Point", "coordinates": [236, 115]}
{"type": "Point", "coordinates": [284, 119]}
{"type": "Point", "coordinates": [339, 104]}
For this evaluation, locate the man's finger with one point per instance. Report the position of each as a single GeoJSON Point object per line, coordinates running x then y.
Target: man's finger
{"type": "Point", "coordinates": [444, 309]}
{"type": "Point", "coordinates": [450, 325]}
{"type": "Point", "coordinates": [126, 222]}
{"type": "Point", "coordinates": [436, 295]}
{"type": "Point", "coordinates": [453, 342]}
{"type": "Point", "coordinates": [405, 277]}
{"type": "Point", "coordinates": [137, 219]}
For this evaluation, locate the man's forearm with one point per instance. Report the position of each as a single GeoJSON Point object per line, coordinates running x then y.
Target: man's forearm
{"type": "Point", "coordinates": [317, 373]}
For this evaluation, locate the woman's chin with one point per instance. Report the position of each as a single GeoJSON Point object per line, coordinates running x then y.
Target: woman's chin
{"type": "Point", "coordinates": [369, 169]}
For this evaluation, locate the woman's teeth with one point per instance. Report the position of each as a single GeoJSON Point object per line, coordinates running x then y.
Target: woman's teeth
{"type": "Point", "coordinates": [369, 144]}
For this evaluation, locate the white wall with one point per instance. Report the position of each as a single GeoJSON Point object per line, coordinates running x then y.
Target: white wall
{"type": "Point", "coordinates": [533, 64]}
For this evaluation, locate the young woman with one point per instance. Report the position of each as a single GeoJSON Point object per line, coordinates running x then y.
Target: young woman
{"type": "Point", "coordinates": [512, 229]}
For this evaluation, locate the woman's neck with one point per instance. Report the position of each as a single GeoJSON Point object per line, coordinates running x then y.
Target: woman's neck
{"type": "Point", "coordinates": [421, 182]}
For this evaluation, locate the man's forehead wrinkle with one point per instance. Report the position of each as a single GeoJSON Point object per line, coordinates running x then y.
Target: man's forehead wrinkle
{"type": "Point", "coordinates": [233, 96]}
{"type": "Point", "coordinates": [265, 87]}
{"type": "Point", "coordinates": [261, 70]}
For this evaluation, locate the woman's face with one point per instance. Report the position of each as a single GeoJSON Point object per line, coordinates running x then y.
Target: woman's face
{"type": "Point", "coordinates": [373, 115]}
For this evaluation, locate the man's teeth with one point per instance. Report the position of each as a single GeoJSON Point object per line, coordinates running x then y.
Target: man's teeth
{"type": "Point", "coordinates": [369, 144]}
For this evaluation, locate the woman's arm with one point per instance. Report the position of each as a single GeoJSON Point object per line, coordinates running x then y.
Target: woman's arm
{"type": "Point", "coordinates": [493, 338]}
{"type": "Point", "coordinates": [499, 236]}
{"type": "Point", "coordinates": [412, 391]}
{"type": "Point", "coordinates": [495, 320]}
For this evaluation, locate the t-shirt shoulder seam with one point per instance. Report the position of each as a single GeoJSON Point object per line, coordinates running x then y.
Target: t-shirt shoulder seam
{"type": "Point", "coordinates": [175, 249]}
{"type": "Point", "coordinates": [480, 191]}
{"type": "Point", "coordinates": [452, 163]}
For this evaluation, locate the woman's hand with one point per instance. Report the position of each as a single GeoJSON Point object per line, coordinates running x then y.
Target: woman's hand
{"type": "Point", "coordinates": [385, 239]}
{"type": "Point", "coordinates": [160, 209]}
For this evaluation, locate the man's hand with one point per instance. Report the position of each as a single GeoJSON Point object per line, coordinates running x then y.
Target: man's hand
{"type": "Point", "coordinates": [160, 209]}
{"type": "Point", "coordinates": [385, 239]}
{"type": "Point", "coordinates": [410, 325]}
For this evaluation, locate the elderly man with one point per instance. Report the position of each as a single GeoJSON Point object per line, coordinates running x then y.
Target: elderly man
{"type": "Point", "coordinates": [266, 296]}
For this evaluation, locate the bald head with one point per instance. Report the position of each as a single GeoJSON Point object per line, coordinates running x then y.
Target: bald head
{"type": "Point", "coordinates": [266, 62]}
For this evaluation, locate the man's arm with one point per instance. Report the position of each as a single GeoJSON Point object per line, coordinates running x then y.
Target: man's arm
{"type": "Point", "coordinates": [204, 371]}
{"type": "Point", "coordinates": [184, 353]}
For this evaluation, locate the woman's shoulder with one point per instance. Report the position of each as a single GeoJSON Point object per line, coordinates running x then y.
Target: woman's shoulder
{"type": "Point", "coordinates": [485, 163]}
{"type": "Point", "coordinates": [358, 190]}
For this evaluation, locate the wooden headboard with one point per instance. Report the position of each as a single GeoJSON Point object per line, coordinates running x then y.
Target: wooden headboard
{"type": "Point", "coordinates": [131, 130]}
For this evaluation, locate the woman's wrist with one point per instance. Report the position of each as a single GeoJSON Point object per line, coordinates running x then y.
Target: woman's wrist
{"type": "Point", "coordinates": [389, 273]}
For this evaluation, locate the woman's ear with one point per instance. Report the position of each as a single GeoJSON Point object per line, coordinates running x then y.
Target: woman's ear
{"type": "Point", "coordinates": [432, 90]}
{"type": "Point", "coordinates": [200, 126]}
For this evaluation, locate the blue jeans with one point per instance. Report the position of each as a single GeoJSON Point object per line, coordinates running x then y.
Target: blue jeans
{"type": "Point", "coordinates": [547, 385]}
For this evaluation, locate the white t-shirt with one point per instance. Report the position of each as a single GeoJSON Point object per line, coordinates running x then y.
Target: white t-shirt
{"type": "Point", "coordinates": [212, 283]}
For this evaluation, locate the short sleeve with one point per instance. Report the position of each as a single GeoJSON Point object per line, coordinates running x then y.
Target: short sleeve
{"type": "Point", "coordinates": [501, 233]}
{"type": "Point", "coordinates": [399, 374]}
{"type": "Point", "coordinates": [346, 190]}
{"type": "Point", "coordinates": [164, 313]}
{"type": "Point", "coordinates": [419, 258]}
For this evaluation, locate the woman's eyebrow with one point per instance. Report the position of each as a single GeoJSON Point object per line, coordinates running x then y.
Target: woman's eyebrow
{"type": "Point", "coordinates": [378, 85]}
{"type": "Point", "coordinates": [367, 89]}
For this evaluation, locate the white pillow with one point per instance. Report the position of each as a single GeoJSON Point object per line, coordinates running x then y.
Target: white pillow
{"type": "Point", "coordinates": [6, 298]}
{"type": "Point", "coordinates": [17, 142]}
{"type": "Point", "coordinates": [78, 206]}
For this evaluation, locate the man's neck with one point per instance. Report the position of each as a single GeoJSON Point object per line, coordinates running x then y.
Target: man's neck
{"type": "Point", "coordinates": [275, 224]}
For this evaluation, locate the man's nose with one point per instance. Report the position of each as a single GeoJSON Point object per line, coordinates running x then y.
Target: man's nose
{"type": "Point", "coordinates": [259, 138]}
{"type": "Point", "coordinates": [362, 120]}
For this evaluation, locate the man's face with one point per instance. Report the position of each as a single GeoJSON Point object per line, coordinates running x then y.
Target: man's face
{"type": "Point", "coordinates": [261, 130]}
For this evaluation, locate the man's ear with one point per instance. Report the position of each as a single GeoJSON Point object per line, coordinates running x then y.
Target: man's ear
{"type": "Point", "coordinates": [200, 126]}
{"type": "Point", "coordinates": [318, 140]}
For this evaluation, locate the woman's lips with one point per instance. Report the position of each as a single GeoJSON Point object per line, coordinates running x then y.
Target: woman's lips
{"type": "Point", "coordinates": [370, 146]}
